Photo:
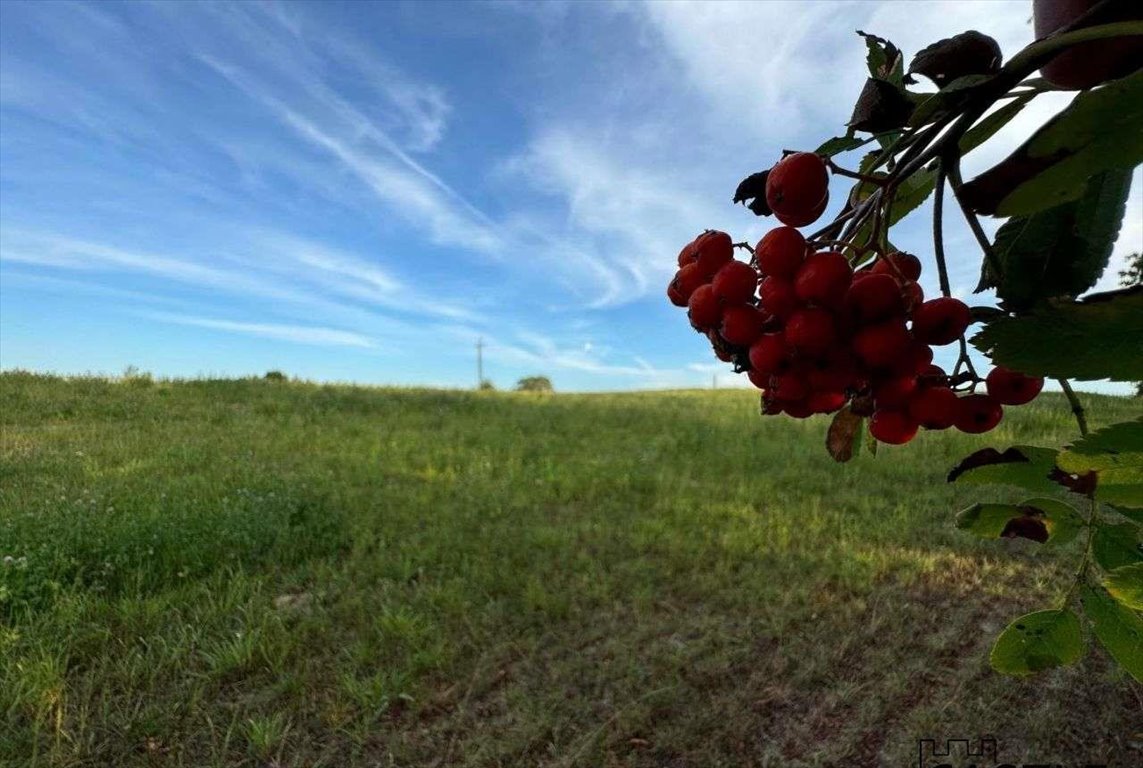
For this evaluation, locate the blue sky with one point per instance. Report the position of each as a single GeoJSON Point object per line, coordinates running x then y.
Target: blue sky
{"type": "Point", "coordinates": [359, 191]}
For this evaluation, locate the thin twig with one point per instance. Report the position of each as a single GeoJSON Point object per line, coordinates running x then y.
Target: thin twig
{"type": "Point", "coordinates": [973, 222]}
{"type": "Point", "coordinates": [1077, 407]}
{"type": "Point", "coordinates": [938, 229]}
{"type": "Point", "coordinates": [878, 181]}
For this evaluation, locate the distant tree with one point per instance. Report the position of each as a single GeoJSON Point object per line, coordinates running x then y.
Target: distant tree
{"type": "Point", "coordinates": [486, 385]}
{"type": "Point", "coordinates": [534, 384]}
{"type": "Point", "coordinates": [1133, 275]}
{"type": "Point", "coordinates": [274, 376]}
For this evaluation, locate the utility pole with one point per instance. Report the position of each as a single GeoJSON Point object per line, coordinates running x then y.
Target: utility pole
{"type": "Point", "coordinates": [479, 362]}
{"type": "Point", "coordinates": [714, 381]}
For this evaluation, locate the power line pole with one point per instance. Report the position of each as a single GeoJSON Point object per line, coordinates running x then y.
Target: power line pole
{"type": "Point", "coordinates": [479, 362]}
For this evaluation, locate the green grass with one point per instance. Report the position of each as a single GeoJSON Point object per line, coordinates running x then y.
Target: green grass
{"type": "Point", "coordinates": [267, 573]}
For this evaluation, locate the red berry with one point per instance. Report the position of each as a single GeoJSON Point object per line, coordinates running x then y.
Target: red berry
{"type": "Point", "coordinates": [894, 392]}
{"type": "Point", "coordinates": [687, 254]}
{"type": "Point", "coordinates": [912, 295]}
{"type": "Point", "coordinates": [940, 321]}
{"type": "Point", "coordinates": [673, 294]}
{"type": "Point", "coordinates": [780, 252]}
{"type": "Point", "coordinates": [769, 354]}
{"type": "Point", "coordinates": [758, 379]}
{"type": "Point", "coordinates": [880, 345]}
{"type": "Point", "coordinates": [777, 297]}
{"type": "Point", "coordinates": [797, 184]}
{"type": "Point", "coordinates": [932, 376]}
{"type": "Point", "coordinates": [687, 280]}
{"type": "Point", "coordinates": [811, 331]}
{"type": "Point", "coordinates": [790, 387]}
{"type": "Point", "coordinates": [1011, 387]}
{"type": "Point", "coordinates": [873, 297]}
{"type": "Point", "coordinates": [825, 402]}
{"type": "Point", "coordinates": [915, 360]}
{"type": "Point", "coordinates": [802, 219]}
{"type": "Point", "coordinates": [704, 309]}
{"type": "Point", "coordinates": [823, 279]}
{"type": "Point", "coordinates": [834, 372]}
{"type": "Point", "coordinates": [741, 325]}
{"type": "Point", "coordinates": [735, 283]}
{"type": "Point", "coordinates": [902, 266]}
{"type": "Point", "coordinates": [934, 407]}
{"type": "Point", "coordinates": [713, 249]}
{"type": "Point", "coordinates": [797, 409]}
{"type": "Point", "coordinates": [977, 413]}
{"type": "Point", "coordinates": [893, 427]}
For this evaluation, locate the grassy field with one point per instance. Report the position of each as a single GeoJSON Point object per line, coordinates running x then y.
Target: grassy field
{"type": "Point", "coordinates": [224, 573]}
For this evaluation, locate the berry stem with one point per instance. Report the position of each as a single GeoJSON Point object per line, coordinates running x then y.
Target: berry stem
{"type": "Point", "coordinates": [1077, 407]}
{"type": "Point", "coordinates": [745, 245]}
{"type": "Point", "coordinates": [875, 180]}
{"type": "Point", "coordinates": [938, 229]}
{"type": "Point", "coordinates": [956, 183]}
{"type": "Point", "coordinates": [1086, 559]}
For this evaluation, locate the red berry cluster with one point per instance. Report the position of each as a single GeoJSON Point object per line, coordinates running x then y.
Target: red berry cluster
{"type": "Point", "coordinates": [813, 335]}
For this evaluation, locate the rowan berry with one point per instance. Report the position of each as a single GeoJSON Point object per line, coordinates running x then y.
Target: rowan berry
{"type": "Point", "coordinates": [873, 297]}
{"type": "Point", "coordinates": [823, 279]}
{"type": "Point", "coordinates": [836, 370]}
{"type": "Point", "coordinates": [934, 407]}
{"type": "Point", "coordinates": [704, 309]}
{"type": "Point", "coordinates": [1011, 387]}
{"type": "Point", "coordinates": [892, 426]}
{"type": "Point", "coordinates": [940, 321]}
{"type": "Point", "coordinates": [790, 386]}
{"type": "Point", "coordinates": [797, 185]}
{"type": "Point", "coordinates": [735, 283]}
{"type": "Point", "coordinates": [902, 266]}
{"type": "Point", "coordinates": [895, 391]}
{"type": "Point", "coordinates": [811, 331]}
{"type": "Point", "coordinates": [802, 219]}
{"type": "Point", "coordinates": [977, 413]}
{"type": "Point", "coordinates": [741, 325]}
{"type": "Point", "coordinates": [688, 279]}
{"type": "Point", "coordinates": [878, 346]}
{"type": "Point", "coordinates": [797, 409]}
{"type": "Point", "coordinates": [825, 402]}
{"type": "Point", "coordinates": [712, 250]}
{"type": "Point", "coordinates": [769, 354]}
{"type": "Point", "coordinates": [777, 297]}
{"type": "Point", "coordinates": [780, 252]}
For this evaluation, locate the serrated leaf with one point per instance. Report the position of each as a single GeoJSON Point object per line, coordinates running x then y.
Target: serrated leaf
{"type": "Point", "coordinates": [1025, 466]}
{"type": "Point", "coordinates": [969, 53]}
{"type": "Point", "coordinates": [1115, 454]}
{"type": "Point", "coordinates": [1130, 514]}
{"type": "Point", "coordinates": [839, 144]}
{"type": "Point", "coordinates": [1062, 251]}
{"type": "Point", "coordinates": [1118, 629]}
{"type": "Point", "coordinates": [911, 193]}
{"type": "Point", "coordinates": [1042, 520]}
{"type": "Point", "coordinates": [1115, 546]}
{"type": "Point", "coordinates": [843, 436]}
{"type": "Point", "coordinates": [1086, 340]}
{"type": "Point", "coordinates": [1125, 584]}
{"type": "Point", "coordinates": [1038, 641]}
{"type": "Point", "coordinates": [881, 106]}
{"type": "Point", "coordinates": [1099, 131]}
{"type": "Point", "coordinates": [884, 59]}
{"type": "Point", "coordinates": [991, 124]}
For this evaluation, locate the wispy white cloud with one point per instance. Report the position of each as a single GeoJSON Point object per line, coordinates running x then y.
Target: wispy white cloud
{"type": "Point", "coordinates": [301, 334]}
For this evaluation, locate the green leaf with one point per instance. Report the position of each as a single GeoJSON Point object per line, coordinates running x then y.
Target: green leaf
{"type": "Point", "coordinates": [1046, 520]}
{"type": "Point", "coordinates": [1119, 630]}
{"type": "Point", "coordinates": [987, 521]}
{"type": "Point", "coordinates": [1029, 469]}
{"type": "Point", "coordinates": [1038, 641]}
{"type": "Point", "coordinates": [1115, 454]}
{"type": "Point", "coordinates": [1125, 584]}
{"type": "Point", "coordinates": [1115, 546]}
{"type": "Point", "coordinates": [1086, 340]}
{"type": "Point", "coordinates": [991, 124]}
{"type": "Point", "coordinates": [1130, 514]}
{"type": "Point", "coordinates": [912, 192]}
{"type": "Point", "coordinates": [1061, 251]}
{"type": "Point", "coordinates": [839, 144]}
{"type": "Point", "coordinates": [947, 99]}
{"type": "Point", "coordinates": [1099, 130]}
{"type": "Point", "coordinates": [884, 59]}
